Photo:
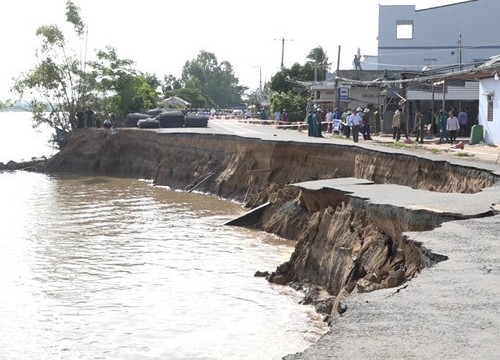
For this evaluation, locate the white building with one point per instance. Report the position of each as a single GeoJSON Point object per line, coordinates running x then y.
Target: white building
{"type": "Point", "coordinates": [489, 109]}
{"type": "Point", "coordinates": [487, 76]}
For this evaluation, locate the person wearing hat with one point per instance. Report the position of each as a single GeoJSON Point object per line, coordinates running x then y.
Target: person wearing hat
{"type": "Point", "coordinates": [317, 123]}
{"type": "Point", "coordinates": [396, 125]}
{"type": "Point", "coordinates": [355, 123]}
{"type": "Point", "coordinates": [366, 124]}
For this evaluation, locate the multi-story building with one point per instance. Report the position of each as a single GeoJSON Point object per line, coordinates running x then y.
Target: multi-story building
{"type": "Point", "coordinates": [441, 39]}
{"type": "Point", "coordinates": [450, 36]}
{"type": "Point", "coordinates": [417, 43]}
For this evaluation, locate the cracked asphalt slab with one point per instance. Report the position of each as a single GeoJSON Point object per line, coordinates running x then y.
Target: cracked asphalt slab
{"type": "Point", "coordinates": [450, 310]}
{"type": "Point", "coordinates": [463, 205]}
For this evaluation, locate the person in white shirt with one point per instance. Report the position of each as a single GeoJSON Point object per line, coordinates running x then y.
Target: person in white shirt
{"type": "Point", "coordinates": [355, 122]}
{"type": "Point", "coordinates": [329, 121]}
{"type": "Point", "coordinates": [452, 126]}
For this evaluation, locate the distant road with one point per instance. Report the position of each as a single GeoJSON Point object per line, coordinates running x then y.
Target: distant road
{"type": "Point", "coordinates": [252, 130]}
{"type": "Point", "coordinates": [482, 156]}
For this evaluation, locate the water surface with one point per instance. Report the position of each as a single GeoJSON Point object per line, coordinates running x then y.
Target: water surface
{"type": "Point", "coordinates": [112, 268]}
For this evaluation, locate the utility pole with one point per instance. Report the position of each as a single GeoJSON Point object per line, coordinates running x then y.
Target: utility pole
{"type": "Point", "coordinates": [316, 68]}
{"type": "Point", "coordinates": [459, 52]}
{"type": "Point", "coordinates": [260, 75]}
{"type": "Point", "coordinates": [260, 78]}
{"type": "Point", "coordinates": [337, 97]}
{"type": "Point", "coordinates": [283, 50]}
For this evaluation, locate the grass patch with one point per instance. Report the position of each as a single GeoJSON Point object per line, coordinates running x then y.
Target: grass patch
{"type": "Point", "coordinates": [464, 154]}
{"type": "Point", "coordinates": [396, 145]}
{"type": "Point", "coordinates": [414, 146]}
{"type": "Point", "coordinates": [435, 151]}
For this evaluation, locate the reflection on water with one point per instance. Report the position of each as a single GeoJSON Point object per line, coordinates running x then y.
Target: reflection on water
{"type": "Point", "coordinates": [19, 141]}
{"type": "Point", "coordinates": [100, 268]}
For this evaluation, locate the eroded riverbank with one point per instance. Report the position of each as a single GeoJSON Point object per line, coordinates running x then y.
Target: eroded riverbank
{"type": "Point", "coordinates": [346, 241]}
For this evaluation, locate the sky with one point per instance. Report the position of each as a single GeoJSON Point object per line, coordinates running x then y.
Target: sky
{"type": "Point", "coordinates": [161, 35]}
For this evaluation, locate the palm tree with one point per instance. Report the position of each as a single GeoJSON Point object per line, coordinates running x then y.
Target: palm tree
{"type": "Point", "coordinates": [319, 59]}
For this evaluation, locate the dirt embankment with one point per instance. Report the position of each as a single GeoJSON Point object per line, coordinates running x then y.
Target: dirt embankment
{"type": "Point", "coordinates": [343, 243]}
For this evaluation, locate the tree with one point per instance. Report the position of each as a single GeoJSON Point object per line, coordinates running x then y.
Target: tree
{"type": "Point", "coordinates": [56, 86]}
{"type": "Point", "coordinates": [289, 85]}
{"type": "Point", "coordinates": [287, 79]}
{"type": "Point", "coordinates": [120, 88]}
{"type": "Point", "coordinates": [215, 81]}
{"type": "Point", "coordinates": [64, 85]}
{"type": "Point", "coordinates": [293, 103]}
{"type": "Point", "coordinates": [319, 61]}
{"type": "Point", "coordinates": [170, 82]}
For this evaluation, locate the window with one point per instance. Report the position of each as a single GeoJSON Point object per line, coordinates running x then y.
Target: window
{"type": "Point", "coordinates": [490, 107]}
{"type": "Point", "coordinates": [404, 29]}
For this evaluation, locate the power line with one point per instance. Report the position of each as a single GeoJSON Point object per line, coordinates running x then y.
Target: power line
{"type": "Point", "coordinates": [448, 48]}
{"type": "Point", "coordinates": [417, 66]}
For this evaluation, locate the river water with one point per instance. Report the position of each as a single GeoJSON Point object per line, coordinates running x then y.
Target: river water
{"type": "Point", "coordinates": [111, 268]}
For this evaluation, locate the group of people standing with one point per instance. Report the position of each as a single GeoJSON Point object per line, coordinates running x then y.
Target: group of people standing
{"type": "Point", "coordinates": [449, 125]}
{"type": "Point", "coordinates": [281, 116]}
{"type": "Point", "coordinates": [355, 121]}
{"type": "Point", "coordinates": [314, 123]}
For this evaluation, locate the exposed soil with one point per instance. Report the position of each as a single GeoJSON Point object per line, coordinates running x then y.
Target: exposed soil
{"type": "Point", "coordinates": [343, 244]}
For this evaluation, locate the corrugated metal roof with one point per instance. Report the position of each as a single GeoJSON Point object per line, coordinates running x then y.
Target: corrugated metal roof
{"type": "Point", "coordinates": [468, 92]}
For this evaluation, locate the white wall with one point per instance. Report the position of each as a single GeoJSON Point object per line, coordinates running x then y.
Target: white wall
{"type": "Point", "coordinates": [491, 128]}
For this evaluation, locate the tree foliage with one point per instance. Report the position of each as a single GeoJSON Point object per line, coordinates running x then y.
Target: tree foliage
{"type": "Point", "coordinates": [289, 87]}
{"type": "Point", "coordinates": [55, 82]}
{"type": "Point", "coordinates": [73, 17]}
{"type": "Point", "coordinates": [215, 82]}
{"type": "Point", "coordinates": [120, 88]}
{"type": "Point", "coordinates": [318, 59]}
{"type": "Point", "coordinates": [63, 83]}
{"type": "Point", "coordinates": [170, 83]}
{"type": "Point", "coordinates": [293, 103]}
{"type": "Point", "coordinates": [55, 87]}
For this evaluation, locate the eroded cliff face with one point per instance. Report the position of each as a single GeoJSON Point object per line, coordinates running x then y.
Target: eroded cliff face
{"type": "Point", "coordinates": [343, 243]}
{"type": "Point", "coordinates": [245, 168]}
